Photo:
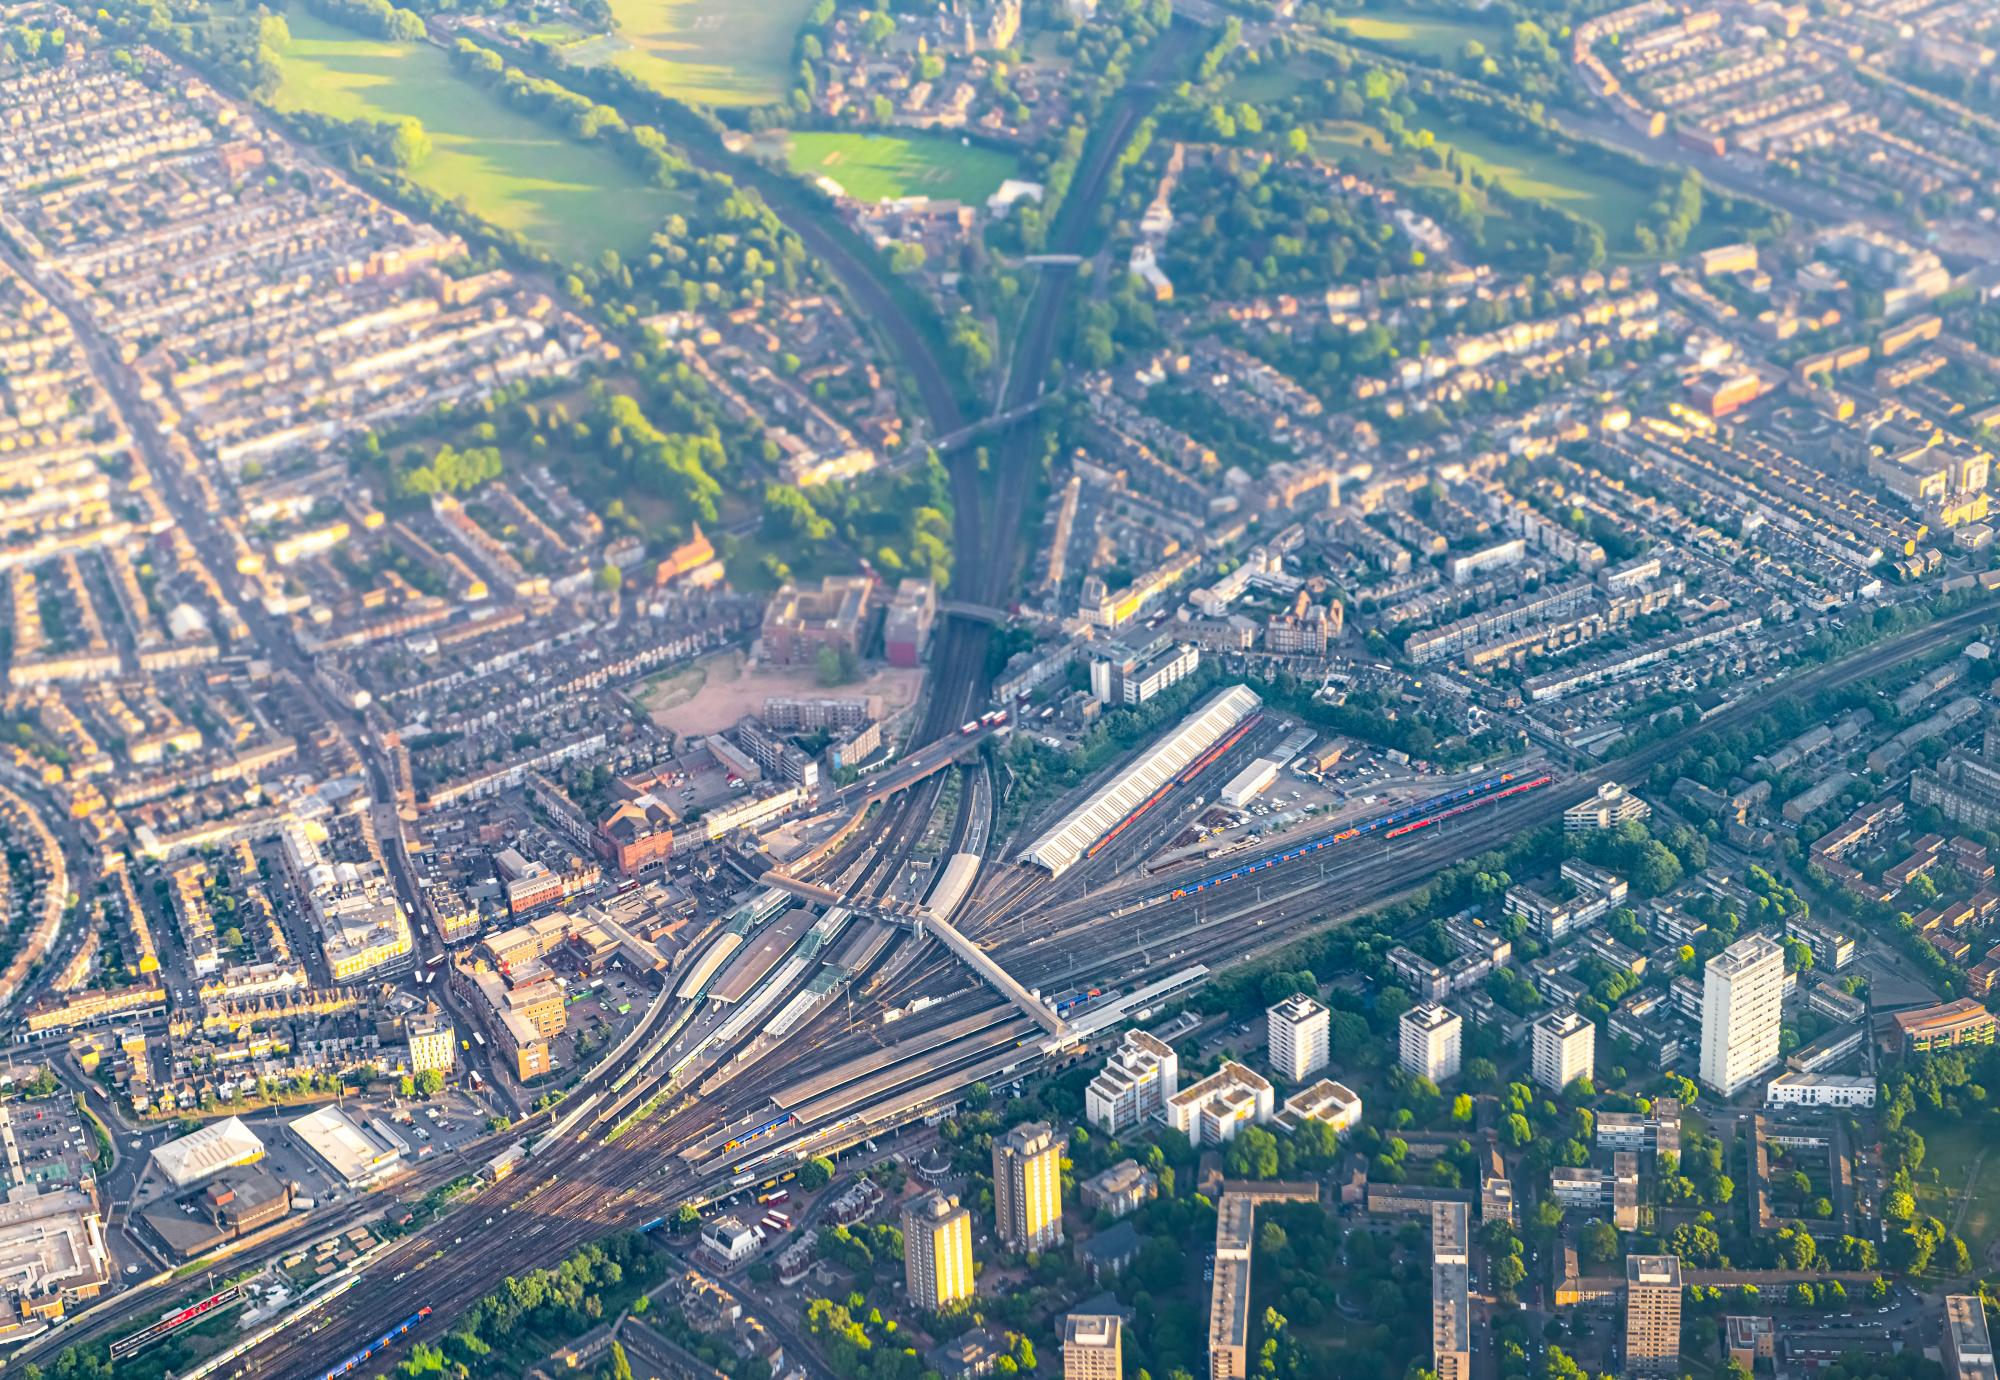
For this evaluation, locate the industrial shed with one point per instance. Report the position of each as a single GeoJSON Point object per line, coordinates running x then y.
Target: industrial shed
{"type": "Point", "coordinates": [1063, 846]}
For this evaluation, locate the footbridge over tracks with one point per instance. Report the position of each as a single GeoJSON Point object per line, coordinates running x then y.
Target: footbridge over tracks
{"type": "Point", "coordinates": [990, 426]}
{"type": "Point", "coordinates": [983, 613]}
{"type": "Point", "coordinates": [951, 889]}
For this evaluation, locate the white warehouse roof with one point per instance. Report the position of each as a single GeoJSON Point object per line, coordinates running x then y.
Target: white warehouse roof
{"type": "Point", "coordinates": [218, 1146]}
{"type": "Point", "coordinates": [1061, 848]}
{"type": "Point", "coordinates": [355, 1157]}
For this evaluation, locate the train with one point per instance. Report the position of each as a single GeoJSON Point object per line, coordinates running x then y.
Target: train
{"type": "Point", "coordinates": [775, 1123]}
{"type": "Point", "coordinates": [761, 907]}
{"type": "Point", "coordinates": [1187, 774]}
{"type": "Point", "coordinates": [1069, 1004]}
{"type": "Point", "coordinates": [382, 1341]}
{"type": "Point", "coordinates": [139, 1341]}
{"type": "Point", "coordinates": [1392, 825]}
{"type": "Point", "coordinates": [1429, 820]}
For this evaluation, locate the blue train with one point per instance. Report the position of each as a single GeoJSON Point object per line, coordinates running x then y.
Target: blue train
{"type": "Point", "coordinates": [773, 1124]}
{"type": "Point", "coordinates": [1391, 825]}
{"type": "Point", "coordinates": [384, 1340]}
{"type": "Point", "coordinates": [653, 1225]}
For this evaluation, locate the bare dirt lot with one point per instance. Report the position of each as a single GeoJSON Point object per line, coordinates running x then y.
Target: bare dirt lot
{"type": "Point", "coordinates": [715, 692]}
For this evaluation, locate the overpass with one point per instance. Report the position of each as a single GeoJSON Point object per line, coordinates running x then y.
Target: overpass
{"type": "Point", "coordinates": [983, 613]}
{"type": "Point", "coordinates": [925, 921]}
{"type": "Point", "coordinates": [997, 977]}
{"type": "Point", "coordinates": [987, 426]}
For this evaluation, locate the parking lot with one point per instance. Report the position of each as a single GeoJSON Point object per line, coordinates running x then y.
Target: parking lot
{"type": "Point", "coordinates": [430, 1128]}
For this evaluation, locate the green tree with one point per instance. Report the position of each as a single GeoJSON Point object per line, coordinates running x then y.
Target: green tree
{"type": "Point", "coordinates": [409, 144]}
{"type": "Point", "coordinates": [1253, 1154]}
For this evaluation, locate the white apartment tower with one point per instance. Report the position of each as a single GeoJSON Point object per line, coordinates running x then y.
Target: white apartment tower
{"type": "Point", "coordinates": [1298, 1027]}
{"type": "Point", "coordinates": [1741, 1012]}
{"type": "Point", "coordinates": [1430, 1041]}
{"type": "Point", "coordinates": [1135, 1083]}
{"type": "Point", "coordinates": [1565, 1049]}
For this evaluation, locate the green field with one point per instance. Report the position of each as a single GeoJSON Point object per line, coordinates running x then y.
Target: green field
{"type": "Point", "coordinates": [1966, 1193]}
{"type": "Point", "coordinates": [1540, 175]}
{"type": "Point", "coordinates": [1438, 37]}
{"type": "Point", "coordinates": [1266, 84]}
{"type": "Point", "coordinates": [711, 52]}
{"type": "Point", "coordinates": [879, 167]}
{"type": "Point", "coordinates": [1528, 172]}
{"type": "Point", "coordinates": [574, 199]}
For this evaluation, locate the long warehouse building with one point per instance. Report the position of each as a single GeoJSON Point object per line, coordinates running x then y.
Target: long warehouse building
{"type": "Point", "coordinates": [1065, 845]}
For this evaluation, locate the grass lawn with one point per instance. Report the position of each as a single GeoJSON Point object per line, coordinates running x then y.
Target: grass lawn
{"type": "Point", "coordinates": [1434, 36]}
{"type": "Point", "coordinates": [1540, 175]}
{"type": "Point", "coordinates": [574, 199]}
{"type": "Point", "coordinates": [1267, 83]}
{"type": "Point", "coordinates": [1361, 149]}
{"type": "Point", "coordinates": [1952, 1148]}
{"type": "Point", "coordinates": [1524, 171]}
{"type": "Point", "coordinates": [878, 167]}
{"type": "Point", "coordinates": [711, 52]}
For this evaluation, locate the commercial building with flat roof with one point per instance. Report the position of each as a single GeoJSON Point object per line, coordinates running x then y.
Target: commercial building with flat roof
{"type": "Point", "coordinates": [220, 1145]}
{"type": "Point", "coordinates": [433, 1042]}
{"type": "Point", "coordinates": [232, 1204]}
{"type": "Point", "coordinates": [1820, 1090]}
{"type": "Point", "coordinates": [52, 1250]}
{"type": "Point", "coordinates": [353, 1155]}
